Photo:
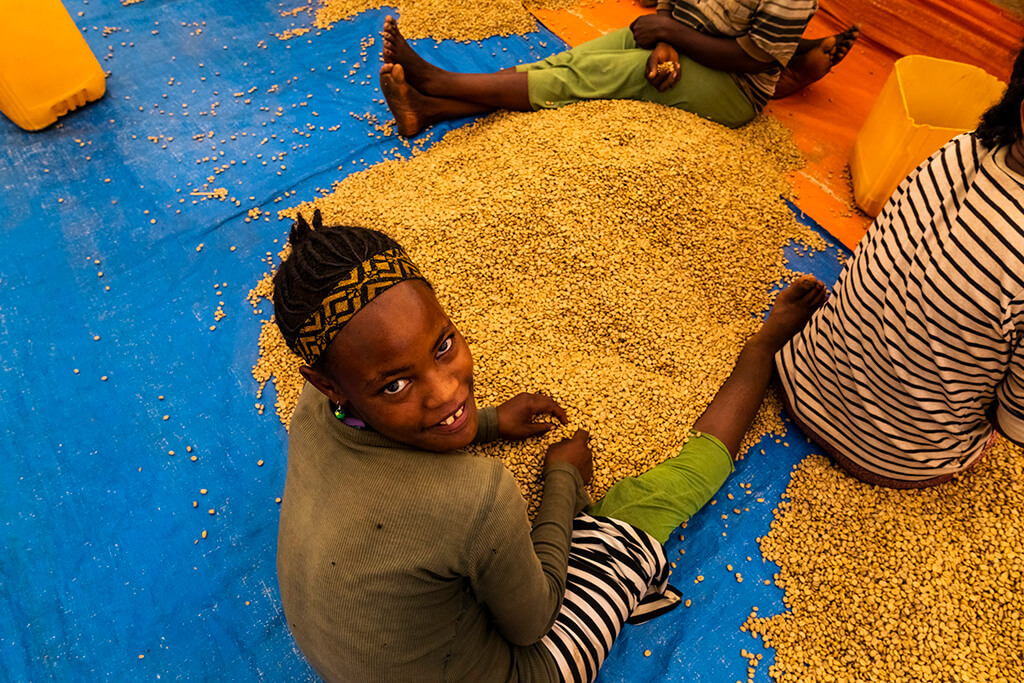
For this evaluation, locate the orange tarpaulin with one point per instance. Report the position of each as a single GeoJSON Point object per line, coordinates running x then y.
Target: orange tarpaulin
{"type": "Point", "coordinates": [826, 117]}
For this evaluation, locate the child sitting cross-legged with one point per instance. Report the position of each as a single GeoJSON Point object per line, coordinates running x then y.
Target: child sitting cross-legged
{"type": "Point", "coordinates": [403, 558]}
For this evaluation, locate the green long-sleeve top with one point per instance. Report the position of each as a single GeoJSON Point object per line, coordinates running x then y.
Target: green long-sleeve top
{"type": "Point", "coordinates": [404, 565]}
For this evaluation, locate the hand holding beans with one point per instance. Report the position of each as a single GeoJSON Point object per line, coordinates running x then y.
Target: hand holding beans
{"type": "Point", "coordinates": [516, 416]}
{"type": "Point", "coordinates": [575, 451]}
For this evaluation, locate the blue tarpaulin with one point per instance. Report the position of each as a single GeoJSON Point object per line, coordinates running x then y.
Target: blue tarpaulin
{"type": "Point", "coordinates": [117, 372]}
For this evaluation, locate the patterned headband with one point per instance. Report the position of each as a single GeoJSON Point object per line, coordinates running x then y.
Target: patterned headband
{"type": "Point", "coordinates": [360, 286]}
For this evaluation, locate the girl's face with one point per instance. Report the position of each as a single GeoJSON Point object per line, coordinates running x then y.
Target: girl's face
{"type": "Point", "coordinates": [402, 367]}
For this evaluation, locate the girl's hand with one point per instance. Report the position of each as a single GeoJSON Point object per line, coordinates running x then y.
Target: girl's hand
{"type": "Point", "coordinates": [515, 416]}
{"type": "Point", "coordinates": [651, 29]}
{"type": "Point", "coordinates": [574, 451]}
{"type": "Point", "coordinates": [663, 67]}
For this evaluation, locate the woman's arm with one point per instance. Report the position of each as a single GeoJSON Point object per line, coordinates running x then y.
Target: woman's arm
{"type": "Point", "coordinates": [721, 54]}
{"type": "Point", "coordinates": [1008, 427]}
{"type": "Point", "coordinates": [517, 572]}
{"type": "Point", "coordinates": [1007, 412]}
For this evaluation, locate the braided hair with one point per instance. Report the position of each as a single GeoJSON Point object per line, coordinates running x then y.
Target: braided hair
{"type": "Point", "coordinates": [1001, 125]}
{"type": "Point", "coordinates": [319, 258]}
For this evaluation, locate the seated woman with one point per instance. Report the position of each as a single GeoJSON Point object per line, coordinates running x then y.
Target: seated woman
{"type": "Point", "coordinates": [403, 558]}
{"type": "Point", "coordinates": [720, 59]}
{"type": "Point", "coordinates": [918, 359]}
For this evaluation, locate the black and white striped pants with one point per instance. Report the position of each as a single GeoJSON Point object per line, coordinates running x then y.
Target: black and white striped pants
{"type": "Point", "coordinates": [612, 566]}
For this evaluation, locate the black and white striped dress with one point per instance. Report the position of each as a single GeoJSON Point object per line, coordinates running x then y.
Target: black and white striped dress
{"type": "Point", "coordinates": [612, 567]}
{"type": "Point", "coordinates": [925, 328]}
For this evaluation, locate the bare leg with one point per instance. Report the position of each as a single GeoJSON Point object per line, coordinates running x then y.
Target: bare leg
{"type": "Point", "coordinates": [733, 409]}
{"type": "Point", "coordinates": [812, 60]}
{"type": "Point", "coordinates": [506, 89]}
{"type": "Point", "coordinates": [415, 111]}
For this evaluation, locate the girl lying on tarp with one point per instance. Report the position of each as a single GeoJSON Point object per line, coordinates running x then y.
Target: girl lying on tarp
{"type": "Point", "coordinates": [403, 558]}
{"type": "Point", "coordinates": [720, 59]}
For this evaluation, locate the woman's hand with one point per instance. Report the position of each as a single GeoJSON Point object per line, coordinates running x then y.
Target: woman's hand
{"type": "Point", "coordinates": [651, 29]}
{"type": "Point", "coordinates": [663, 67]}
{"type": "Point", "coordinates": [574, 451]}
{"type": "Point", "coordinates": [515, 416]}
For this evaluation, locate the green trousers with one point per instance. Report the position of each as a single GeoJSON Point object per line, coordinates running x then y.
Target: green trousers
{"type": "Point", "coordinates": [668, 494]}
{"type": "Point", "coordinates": [613, 67]}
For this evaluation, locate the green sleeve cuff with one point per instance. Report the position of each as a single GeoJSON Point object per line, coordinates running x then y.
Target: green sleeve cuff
{"type": "Point", "coordinates": [582, 496]}
{"type": "Point", "coordinates": [487, 427]}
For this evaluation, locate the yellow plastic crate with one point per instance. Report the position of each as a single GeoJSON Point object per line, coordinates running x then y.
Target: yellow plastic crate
{"type": "Point", "coordinates": [924, 103]}
{"type": "Point", "coordinates": [46, 67]}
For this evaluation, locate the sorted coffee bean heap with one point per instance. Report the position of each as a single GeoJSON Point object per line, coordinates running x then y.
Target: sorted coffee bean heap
{"type": "Point", "coordinates": [885, 585]}
{"type": "Point", "coordinates": [440, 19]}
{"type": "Point", "coordinates": [445, 20]}
{"type": "Point", "coordinates": [613, 254]}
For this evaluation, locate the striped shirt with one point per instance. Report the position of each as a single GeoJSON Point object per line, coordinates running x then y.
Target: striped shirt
{"type": "Point", "coordinates": [924, 331]}
{"type": "Point", "coordinates": [766, 29]}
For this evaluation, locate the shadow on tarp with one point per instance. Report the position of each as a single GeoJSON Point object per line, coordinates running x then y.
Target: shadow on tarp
{"type": "Point", "coordinates": [106, 574]}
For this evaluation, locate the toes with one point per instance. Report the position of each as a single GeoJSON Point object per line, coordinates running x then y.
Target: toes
{"type": "Point", "coordinates": [803, 287]}
{"type": "Point", "coordinates": [844, 45]}
{"type": "Point", "coordinates": [810, 298]}
{"type": "Point", "coordinates": [846, 37]}
{"type": "Point", "coordinates": [398, 73]}
{"type": "Point", "coordinates": [820, 298]}
{"type": "Point", "coordinates": [850, 33]}
{"type": "Point", "coordinates": [391, 77]}
{"type": "Point", "coordinates": [391, 26]}
{"type": "Point", "coordinates": [849, 37]}
{"type": "Point", "coordinates": [815, 288]}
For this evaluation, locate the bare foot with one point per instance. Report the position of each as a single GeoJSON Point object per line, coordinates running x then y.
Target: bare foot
{"type": "Point", "coordinates": [836, 46]}
{"type": "Point", "coordinates": [814, 61]}
{"type": "Point", "coordinates": [793, 308]}
{"type": "Point", "coordinates": [418, 72]}
{"type": "Point", "coordinates": [403, 100]}
{"type": "Point", "coordinates": [844, 41]}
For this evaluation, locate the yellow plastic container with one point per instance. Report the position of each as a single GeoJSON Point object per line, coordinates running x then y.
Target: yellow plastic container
{"type": "Point", "coordinates": [46, 67]}
{"type": "Point", "coordinates": [924, 103]}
